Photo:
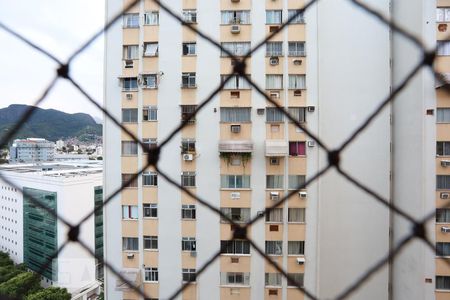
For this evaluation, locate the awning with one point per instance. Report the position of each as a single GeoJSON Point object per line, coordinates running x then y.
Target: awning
{"type": "Point", "coordinates": [131, 275]}
{"type": "Point", "coordinates": [236, 146]}
{"type": "Point", "coordinates": [276, 148]}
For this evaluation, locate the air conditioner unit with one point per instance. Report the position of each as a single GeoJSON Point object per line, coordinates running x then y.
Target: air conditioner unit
{"type": "Point", "coordinates": [274, 61]}
{"type": "Point", "coordinates": [311, 108]}
{"type": "Point", "coordinates": [274, 95]}
{"type": "Point", "coordinates": [274, 161]}
{"type": "Point", "coordinates": [445, 163]}
{"type": "Point", "coordinates": [235, 1]}
{"type": "Point", "coordinates": [445, 195]}
{"type": "Point", "coordinates": [235, 128]}
{"type": "Point", "coordinates": [297, 92]}
{"type": "Point", "coordinates": [235, 195]}
{"type": "Point", "coordinates": [130, 255]}
{"type": "Point", "coordinates": [260, 213]}
{"type": "Point", "coordinates": [128, 63]}
{"type": "Point", "coordinates": [188, 157]}
{"type": "Point", "coordinates": [129, 96]}
{"type": "Point", "coordinates": [235, 29]}
{"type": "Point", "coordinates": [234, 260]}
{"type": "Point", "coordinates": [300, 260]}
{"type": "Point", "coordinates": [274, 196]}
{"type": "Point", "coordinates": [297, 62]}
{"type": "Point", "coordinates": [311, 143]}
{"type": "Point", "coordinates": [445, 229]}
{"type": "Point", "coordinates": [302, 194]}
{"type": "Point", "coordinates": [260, 111]}
{"type": "Point", "coordinates": [193, 253]}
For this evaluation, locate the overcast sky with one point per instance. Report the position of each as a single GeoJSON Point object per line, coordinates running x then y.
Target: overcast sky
{"type": "Point", "coordinates": [60, 26]}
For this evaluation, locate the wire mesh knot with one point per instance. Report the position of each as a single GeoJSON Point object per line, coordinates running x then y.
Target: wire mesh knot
{"type": "Point", "coordinates": [428, 58]}
{"type": "Point", "coordinates": [419, 230]}
{"type": "Point", "coordinates": [240, 233]}
{"type": "Point", "coordinates": [334, 158]}
{"type": "Point", "coordinates": [73, 233]}
{"type": "Point", "coordinates": [239, 66]}
{"type": "Point", "coordinates": [63, 71]}
{"type": "Point", "coordinates": [153, 156]}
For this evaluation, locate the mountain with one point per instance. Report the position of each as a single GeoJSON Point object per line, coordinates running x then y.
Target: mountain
{"type": "Point", "coordinates": [50, 124]}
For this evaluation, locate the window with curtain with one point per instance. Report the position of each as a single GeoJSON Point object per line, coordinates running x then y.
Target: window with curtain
{"type": "Point", "coordinates": [236, 83]}
{"type": "Point", "coordinates": [126, 178]}
{"type": "Point", "coordinates": [129, 148]}
{"type": "Point", "coordinates": [296, 16]}
{"type": "Point", "coordinates": [442, 249]}
{"type": "Point", "coordinates": [298, 113]}
{"type": "Point", "coordinates": [273, 16]}
{"type": "Point", "coordinates": [129, 212]}
{"type": "Point", "coordinates": [235, 114]}
{"type": "Point", "coordinates": [186, 113]}
{"type": "Point", "coordinates": [187, 145]}
{"type": "Point", "coordinates": [190, 16]}
{"type": "Point", "coordinates": [151, 49]}
{"type": "Point", "coordinates": [131, 52]}
{"type": "Point", "coordinates": [296, 247]}
{"type": "Point", "coordinates": [235, 17]}
{"type": "Point", "coordinates": [274, 181]}
{"type": "Point", "coordinates": [296, 215]}
{"type": "Point", "coordinates": [188, 179]}
{"type": "Point", "coordinates": [188, 80]}
{"type": "Point", "coordinates": [151, 18]}
{"type": "Point", "coordinates": [235, 48]}
{"type": "Point", "coordinates": [274, 48]}
{"type": "Point", "coordinates": [189, 48]}
{"type": "Point", "coordinates": [443, 215]}
{"type": "Point", "coordinates": [150, 81]}
{"type": "Point", "coordinates": [149, 179]}
{"type": "Point", "coordinates": [274, 115]}
{"type": "Point", "coordinates": [237, 214]}
{"type": "Point", "coordinates": [150, 242]}
{"type": "Point", "coordinates": [188, 244]}
{"type": "Point", "coordinates": [188, 275]}
{"type": "Point", "coordinates": [275, 215]}
{"type": "Point", "coordinates": [274, 247]}
{"type": "Point", "coordinates": [443, 182]}
{"type": "Point", "coordinates": [443, 282]}
{"type": "Point", "coordinates": [443, 148]}
{"type": "Point", "coordinates": [188, 211]}
{"type": "Point", "coordinates": [296, 181]}
{"type": "Point", "coordinates": [274, 82]}
{"type": "Point", "coordinates": [297, 148]}
{"type": "Point", "coordinates": [234, 181]}
{"type": "Point", "coordinates": [297, 279]}
{"type": "Point", "coordinates": [129, 115]}
{"type": "Point", "coordinates": [443, 115]}
{"type": "Point", "coordinates": [443, 48]}
{"type": "Point", "coordinates": [235, 247]}
{"type": "Point", "coordinates": [234, 278]}
{"type": "Point", "coordinates": [130, 20]}
{"type": "Point", "coordinates": [130, 243]}
{"type": "Point", "coordinates": [296, 49]}
{"type": "Point", "coordinates": [273, 279]}
{"type": "Point", "coordinates": [150, 113]}
{"type": "Point", "coordinates": [443, 14]}
{"type": "Point", "coordinates": [297, 82]}
{"type": "Point", "coordinates": [150, 210]}
{"type": "Point", "coordinates": [129, 84]}
{"type": "Point", "coordinates": [151, 274]}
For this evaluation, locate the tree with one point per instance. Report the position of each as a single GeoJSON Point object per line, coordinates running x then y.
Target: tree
{"type": "Point", "coordinates": [20, 286]}
{"type": "Point", "coordinates": [51, 293]}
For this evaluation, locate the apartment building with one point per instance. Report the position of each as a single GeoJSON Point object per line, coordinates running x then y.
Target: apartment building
{"type": "Point", "coordinates": [31, 235]}
{"type": "Point", "coordinates": [31, 150]}
{"type": "Point", "coordinates": [241, 154]}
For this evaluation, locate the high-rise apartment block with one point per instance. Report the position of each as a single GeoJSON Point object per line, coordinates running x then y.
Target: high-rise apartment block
{"type": "Point", "coordinates": [330, 68]}
{"type": "Point", "coordinates": [32, 150]}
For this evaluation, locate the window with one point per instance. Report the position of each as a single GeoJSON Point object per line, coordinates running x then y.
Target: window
{"type": "Point", "coordinates": [149, 144]}
{"type": "Point", "coordinates": [151, 18]}
{"type": "Point", "coordinates": [235, 247]}
{"type": "Point", "coordinates": [443, 14]}
{"type": "Point", "coordinates": [443, 182]}
{"type": "Point", "coordinates": [235, 114]}
{"type": "Point", "coordinates": [274, 48]}
{"type": "Point", "coordinates": [131, 52]}
{"type": "Point", "coordinates": [188, 211]}
{"type": "Point", "coordinates": [442, 249]}
{"type": "Point", "coordinates": [296, 181]}
{"type": "Point", "coordinates": [274, 115]}
{"type": "Point", "coordinates": [296, 49]}
{"type": "Point", "coordinates": [189, 275]}
{"type": "Point", "coordinates": [274, 82]}
{"type": "Point", "coordinates": [150, 242]}
{"type": "Point", "coordinates": [150, 113]}
{"type": "Point", "coordinates": [274, 247]}
{"type": "Point", "coordinates": [126, 178]}
{"type": "Point", "coordinates": [129, 148]}
{"type": "Point", "coordinates": [273, 16]}
{"type": "Point", "coordinates": [297, 82]}
{"type": "Point", "coordinates": [188, 179]}
{"type": "Point", "coordinates": [187, 145]}
{"type": "Point", "coordinates": [236, 214]}
{"type": "Point", "coordinates": [130, 20]}
{"type": "Point", "coordinates": [235, 48]}
{"type": "Point", "coordinates": [151, 274]}
{"type": "Point", "coordinates": [151, 49]}
{"type": "Point", "coordinates": [235, 17]}
{"type": "Point", "coordinates": [443, 148]}
{"type": "Point", "coordinates": [129, 115]}
{"type": "Point", "coordinates": [235, 181]}
{"type": "Point", "coordinates": [130, 243]}
{"type": "Point", "coordinates": [190, 16]}
{"type": "Point", "coordinates": [297, 148]}
{"type": "Point", "coordinates": [234, 278]}
{"type": "Point", "coordinates": [189, 48]}
{"type": "Point", "coordinates": [236, 83]}
{"type": "Point", "coordinates": [129, 212]}
{"type": "Point", "coordinates": [297, 113]}
{"type": "Point", "coordinates": [296, 215]}
{"type": "Point", "coordinates": [443, 115]}
{"type": "Point", "coordinates": [275, 215]}
{"type": "Point", "coordinates": [297, 279]}
{"type": "Point", "coordinates": [129, 84]}
{"type": "Point", "coordinates": [149, 179]}
{"type": "Point", "coordinates": [443, 282]}
{"type": "Point", "coordinates": [273, 279]}
{"type": "Point", "coordinates": [188, 244]}
{"type": "Point", "coordinates": [274, 181]}
{"type": "Point", "coordinates": [187, 112]}
{"type": "Point", "coordinates": [188, 80]}
{"type": "Point", "coordinates": [296, 16]}
{"type": "Point", "coordinates": [150, 210]}
{"type": "Point", "coordinates": [150, 81]}
{"type": "Point", "coordinates": [443, 48]}
{"type": "Point", "coordinates": [296, 247]}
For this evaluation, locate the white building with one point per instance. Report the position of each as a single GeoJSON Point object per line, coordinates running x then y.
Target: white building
{"type": "Point", "coordinates": [60, 144]}
{"type": "Point", "coordinates": [31, 235]}
{"type": "Point", "coordinates": [32, 150]}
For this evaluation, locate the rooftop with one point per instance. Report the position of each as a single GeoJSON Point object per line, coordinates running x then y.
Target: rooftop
{"type": "Point", "coordinates": [56, 169]}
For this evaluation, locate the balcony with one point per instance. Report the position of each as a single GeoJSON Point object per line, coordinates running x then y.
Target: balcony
{"type": "Point", "coordinates": [276, 148]}
{"type": "Point", "coordinates": [235, 146]}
